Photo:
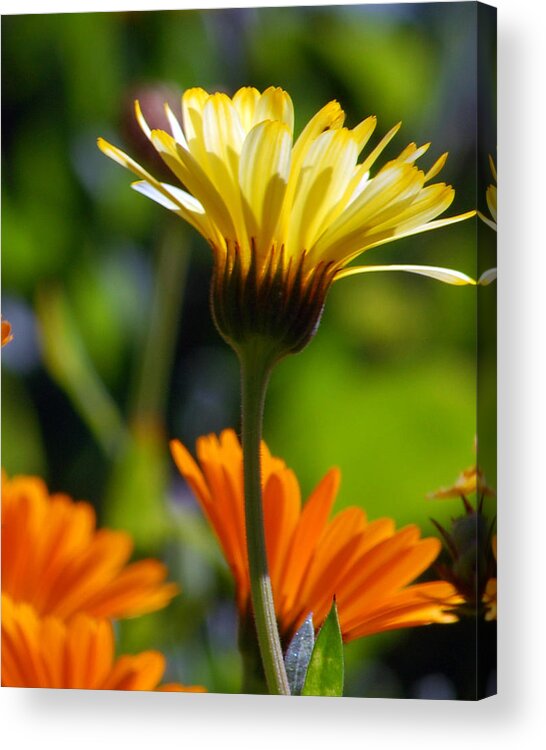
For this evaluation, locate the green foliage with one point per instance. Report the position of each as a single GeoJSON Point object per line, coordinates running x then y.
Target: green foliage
{"type": "Point", "coordinates": [326, 668]}
{"type": "Point", "coordinates": [394, 430]}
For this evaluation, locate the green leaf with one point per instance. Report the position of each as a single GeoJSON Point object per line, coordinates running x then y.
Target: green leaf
{"type": "Point", "coordinates": [325, 671]}
{"type": "Point", "coordinates": [298, 655]}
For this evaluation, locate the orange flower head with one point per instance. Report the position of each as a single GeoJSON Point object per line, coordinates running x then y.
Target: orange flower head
{"type": "Point", "coordinates": [6, 332]}
{"type": "Point", "coordinates": [55, 559]}
{"type": "Point", "coordinates": [368, 566]}
{"type": "Point", "coordinates": [78, 653]}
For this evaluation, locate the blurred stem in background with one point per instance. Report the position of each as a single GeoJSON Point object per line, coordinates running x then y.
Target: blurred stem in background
{"type": "Point", "coordinates": [135, 495]}
{"type": "Point", "coordinates": [135, 498]}
{"type": "Point", "coordinates": [153, 380]}
{"type": "Point", "coordinates": [71, 368]}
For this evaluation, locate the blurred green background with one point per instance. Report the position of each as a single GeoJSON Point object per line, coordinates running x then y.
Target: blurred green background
{"type": "Point", "coordinates": [115, 352]}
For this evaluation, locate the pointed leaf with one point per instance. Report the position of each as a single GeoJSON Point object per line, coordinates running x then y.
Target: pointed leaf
{"type": "Point", "coordinates": [298, 655]}
{"type": "Point", "coordinates": [325, 671]}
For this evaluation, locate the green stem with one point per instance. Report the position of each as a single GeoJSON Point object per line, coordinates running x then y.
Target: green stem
{"type": "Point", "coordinates": [159, 346]}
{"type": "Point", "coordinates": [253, 677]}
{"type": "Point", "coordinates": [255, 370]}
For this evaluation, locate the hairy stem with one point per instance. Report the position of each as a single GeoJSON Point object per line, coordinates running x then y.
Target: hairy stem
{"type": "Point", "coordinates": [255, 371]}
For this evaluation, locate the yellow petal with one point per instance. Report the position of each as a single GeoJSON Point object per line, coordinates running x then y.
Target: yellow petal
{"type": "Point", "coordinates": [275, 104]}
{"type": "Point", "coordinates": [177, 197]}
{"type": "Point", "coordinates": [383, 143]}
{"type": "Point", "coordinates": [244, 101]}
{"type": "Point", "coordinates": [356, 186]}
{"type": "Point", "coordinates": [325, 174]}
{"type": "Point", "coordinates": [395, 235]}
{"type": "Point", "coordinates": [194, 177]}
{"type": "Point", "coordinates": [493, 168]}
{"type": "Point", "coordinates": [193, 103]}
{"type": "Point", "coordinates": [411, 153]}
{"type": "Point", "coordinates": [385, 195]}
{"type": "Point", "coordinates": [330, 117]}
{"type": "Point", "coordinates": [176, 128]}
{"type": "Point", "coordinates": [263, 174]}
{"type": "Point", "coordinates": [491, 197]}
{"type": "Point", "coordinates": [362, 132]}
{"type": "Point", "coordinates": [394, 184]}
{"type": "Point", "coordinates": [436, 167]}
{"type": "Point", "coordinates": [180, 199]}
{"type": "Point", "coordinates": [447, 275]}
{"type": "Point", "coordinates": [180, 202]}
{"type": "Point", "coordinates": [223, 137]}
{"type": "Point", "coordinates": [223, 134]}
{"type": "Point", "coordinates": [142, 121]}
{"type": "Point", "coordinates": [430, 202]}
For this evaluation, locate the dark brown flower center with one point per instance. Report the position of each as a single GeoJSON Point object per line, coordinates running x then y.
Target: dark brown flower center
{"type": "Point", "coordinates": [276, 300]}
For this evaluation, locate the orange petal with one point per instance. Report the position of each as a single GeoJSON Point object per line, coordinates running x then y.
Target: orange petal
{"type": "Point", "coordinates": [140, 672]}
{"type": "Point", "coordinates": [282, 505]}
{"type": "Point", "coordinates": [310, 527]}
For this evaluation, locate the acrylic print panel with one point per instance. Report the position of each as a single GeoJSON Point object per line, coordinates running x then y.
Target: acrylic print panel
{"type": "Point", "coordinates": [292, 195]}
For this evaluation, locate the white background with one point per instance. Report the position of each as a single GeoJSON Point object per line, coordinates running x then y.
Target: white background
{"type": "Point", "coordinates": [515, 718]}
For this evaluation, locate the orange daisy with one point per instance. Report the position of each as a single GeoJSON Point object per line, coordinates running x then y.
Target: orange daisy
{"type": "Point", "coordinates": [367, 566]}
{"type": "Point", "coordinates": [55, 559]}
{"type": "Point", "coordinates": [78, 653]}
{"type": "Point", "coordinates": [6, 332]}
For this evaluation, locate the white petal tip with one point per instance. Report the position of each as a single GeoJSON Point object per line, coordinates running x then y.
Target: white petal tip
{"type": "Point", "coordinates": [488, 277]}
{"type": "Point", "coordinates": [446, 275]}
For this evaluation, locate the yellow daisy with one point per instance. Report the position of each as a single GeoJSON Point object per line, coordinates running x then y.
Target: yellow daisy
{"type": "Point", "coordinates": [491, 198]}
{"type": "Point", "coordinates": [490, 275]}
{"type": "Point", "coordinates": [284, 218]}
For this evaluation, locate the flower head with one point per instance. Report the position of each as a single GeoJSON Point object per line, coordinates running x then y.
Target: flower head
{"type": "Point", "coordinates": [367, 565]}
{"type": "Point", "coordinates": [55, 559]}
{"type": "Point", "coordinates": [283, 217]}
{"type": "Point", "coordinates": [78, 653]}
{"type": "Point", "coordinates": [7, 336]}
{"type": "Point", "coordinates": [469, 482]}
{"type": "Point", "coordinates": [490, 274]}
{"type": "Point", "coordinates": [470, 544]}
